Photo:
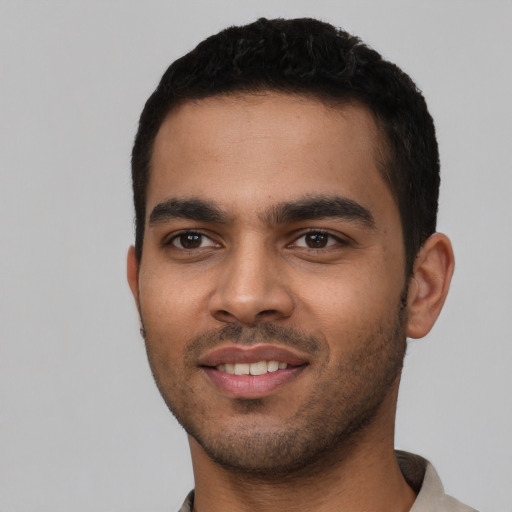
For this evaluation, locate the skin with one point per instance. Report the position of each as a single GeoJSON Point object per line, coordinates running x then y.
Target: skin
{"type": "Point", "coordinates": [333, 288]}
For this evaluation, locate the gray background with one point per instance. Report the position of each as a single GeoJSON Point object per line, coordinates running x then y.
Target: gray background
{"type": "Point", "coordinates": [82, 427]}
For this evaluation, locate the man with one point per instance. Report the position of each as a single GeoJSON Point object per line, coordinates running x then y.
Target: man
{"type": "Point", "coordinates": [286, 183]}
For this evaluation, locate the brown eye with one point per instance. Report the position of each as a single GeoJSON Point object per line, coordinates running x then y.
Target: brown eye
{"type": "Point", "coordinates": [191, 240]}
{"type": "Point", "coordinates": [316, 240]}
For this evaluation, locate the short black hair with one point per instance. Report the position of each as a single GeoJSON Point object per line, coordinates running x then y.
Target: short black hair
{"type": "Point", "coordinates": [313, 58]}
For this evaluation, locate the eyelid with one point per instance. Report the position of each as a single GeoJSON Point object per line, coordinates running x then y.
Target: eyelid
{"type": "Point", "coordinates": [169, 240]}
{"type": "Point", "coordinates": [338, 238]}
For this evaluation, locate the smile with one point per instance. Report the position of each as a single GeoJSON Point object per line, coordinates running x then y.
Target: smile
{"type": "Point", "coordinates": [259, 368]}
{"type": "Point", "coordinates": [251, 372]}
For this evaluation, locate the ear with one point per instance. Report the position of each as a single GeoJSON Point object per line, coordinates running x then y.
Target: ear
{"type": "Point", "coordinates": [132, 273]}
{"type": "Point", "coordinates": [428, 287]}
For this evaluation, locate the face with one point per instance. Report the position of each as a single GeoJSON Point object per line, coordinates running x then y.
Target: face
{"type": "Point", "coordinates": [272, 279]}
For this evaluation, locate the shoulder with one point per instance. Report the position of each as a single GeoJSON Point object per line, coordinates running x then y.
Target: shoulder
{"type": "Point", "coordinates": [188, 504]}
{"type": "Point", "coordinates": [423, 478]}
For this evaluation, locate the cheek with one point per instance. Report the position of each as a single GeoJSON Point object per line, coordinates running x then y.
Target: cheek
{"type": "Point", "coordinates": [168, 302]}
{"type": "Point", "coordinates": [348, 306]}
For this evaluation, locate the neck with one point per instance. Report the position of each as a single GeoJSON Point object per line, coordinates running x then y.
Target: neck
{"type": "Point", "coordinates": [360, 475]}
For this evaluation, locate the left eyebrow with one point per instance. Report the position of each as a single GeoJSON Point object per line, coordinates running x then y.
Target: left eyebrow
{"type": "Point", "coordinates": [319, 207]}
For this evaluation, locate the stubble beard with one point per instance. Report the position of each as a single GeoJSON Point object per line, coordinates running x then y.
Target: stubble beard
{"type": "Point", "coordinates": [327, 426]}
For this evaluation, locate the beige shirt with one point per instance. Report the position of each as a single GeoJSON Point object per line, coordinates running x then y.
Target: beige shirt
{"type": "Point", "coordinates": [420, 475]}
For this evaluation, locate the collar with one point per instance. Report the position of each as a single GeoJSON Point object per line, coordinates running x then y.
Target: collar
{"type": "Point", "coordinates": [422, 478]}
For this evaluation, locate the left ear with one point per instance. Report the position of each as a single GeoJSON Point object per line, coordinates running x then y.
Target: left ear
{"type": "Point", "coordinates": [428, 287]}
{"type": "Point", "coordinates": [132, 273]}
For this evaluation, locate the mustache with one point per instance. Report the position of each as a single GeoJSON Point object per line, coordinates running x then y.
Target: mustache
{"type": "Point", "coordinates": [243, 335]}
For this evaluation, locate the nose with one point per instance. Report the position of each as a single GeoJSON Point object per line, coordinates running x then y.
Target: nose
{"type": "Point", "coordinates": [251, 288]}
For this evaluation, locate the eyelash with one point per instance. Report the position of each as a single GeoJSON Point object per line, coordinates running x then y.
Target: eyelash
{"type": "Point", "coordinates": [331, 240]}
{"type": "Point", "coordinates": [188, 232]}
{"type": "Point", "coordinates": [336, 239]}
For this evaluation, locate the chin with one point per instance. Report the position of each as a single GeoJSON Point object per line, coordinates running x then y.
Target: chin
{"type": "Point", "coordinates": [284, 450]}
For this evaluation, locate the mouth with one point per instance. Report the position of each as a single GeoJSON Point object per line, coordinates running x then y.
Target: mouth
{"type": "Point", "coordinates": [251, 372]}
{"type": "Point", "coordinates": [258, 368]}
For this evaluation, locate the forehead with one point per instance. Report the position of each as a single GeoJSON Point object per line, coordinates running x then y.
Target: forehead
{"type": "Point", "coordinates": [240, 148]}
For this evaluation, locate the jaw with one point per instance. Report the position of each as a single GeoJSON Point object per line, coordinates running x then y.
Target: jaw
{"type": "Point", "coordinates": [255, 447]}
{"type": "Point", "coordinates": [360, 468]}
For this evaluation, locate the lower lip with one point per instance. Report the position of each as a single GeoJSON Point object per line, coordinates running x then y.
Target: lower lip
{"type": "Point", "coordinates": [251, 386]}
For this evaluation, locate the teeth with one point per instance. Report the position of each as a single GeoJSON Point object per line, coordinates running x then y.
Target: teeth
{"type": "Point", "coordinates": [242, 369]}
{"type": "Point", "coordinates": [272, 366]}
{"type": "Point", "coordinates": [259, 368]}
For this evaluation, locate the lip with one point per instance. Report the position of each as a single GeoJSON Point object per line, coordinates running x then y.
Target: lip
{"type": "Point", "coordinates": [251, 386]}
{"type": "Point", "coordinates": [251, 354]}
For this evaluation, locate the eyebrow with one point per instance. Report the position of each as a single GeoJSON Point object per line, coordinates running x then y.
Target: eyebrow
{"type": "Point", "coordinates": [319, 207]}
{"type": "Point", "coordinates": [194, 209]}
{"type": "Point", "coordinates": [308, 208]}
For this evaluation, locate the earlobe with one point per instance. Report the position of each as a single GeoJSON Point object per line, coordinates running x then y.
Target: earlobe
{"type": "Point", "coordinates": [428, 287]}
{"type": "Point", "coordinates": [132, 273]}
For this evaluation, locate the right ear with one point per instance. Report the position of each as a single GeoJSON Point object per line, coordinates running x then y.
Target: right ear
{"type": "Point", "coordinates": [132, 273]}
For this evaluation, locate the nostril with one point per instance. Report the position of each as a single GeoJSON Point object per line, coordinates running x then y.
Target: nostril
{"type": "Point", "coordinates": [268, 312]}
{"type": "Point", "coordinates": [224, 315]}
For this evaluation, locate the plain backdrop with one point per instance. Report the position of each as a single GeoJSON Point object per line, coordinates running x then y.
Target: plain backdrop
{"type": "Point", "coordinates": [82, 426]}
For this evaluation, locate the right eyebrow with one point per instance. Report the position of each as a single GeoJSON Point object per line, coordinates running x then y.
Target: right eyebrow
{"type": "Point", "coordinates": [193, 209]}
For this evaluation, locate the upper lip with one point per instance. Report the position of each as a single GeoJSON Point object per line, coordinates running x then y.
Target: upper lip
{"type": "Point", "coordinates": [250, 354]}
